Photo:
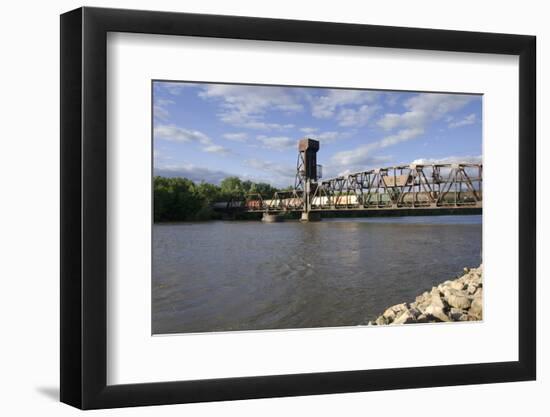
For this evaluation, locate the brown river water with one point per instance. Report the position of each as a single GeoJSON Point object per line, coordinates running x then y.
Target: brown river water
{"type": "Point", "coordinates": [249, 275]}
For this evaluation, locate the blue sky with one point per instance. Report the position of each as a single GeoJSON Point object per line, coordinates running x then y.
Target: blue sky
{"type": "Point", "coordinates": [206, 132]}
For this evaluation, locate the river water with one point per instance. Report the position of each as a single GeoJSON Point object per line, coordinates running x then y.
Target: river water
{"type": "Point", "coordinates": [249, 275]}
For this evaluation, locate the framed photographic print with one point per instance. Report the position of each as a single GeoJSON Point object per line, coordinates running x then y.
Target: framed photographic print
{"type": "Point", "coordinates": [258, 207]}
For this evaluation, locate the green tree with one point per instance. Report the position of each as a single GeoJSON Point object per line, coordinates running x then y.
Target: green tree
{"type": "Point", "coordinates": [210, 192]}
{"type": "Point", "coordinates": [180, 199]}
{"type": "Point", "coordinates": [264, 189]}
{"type": "Point", "coordinates": [175, 199]}
{"type": "Point", "coordinates": [232, 187]}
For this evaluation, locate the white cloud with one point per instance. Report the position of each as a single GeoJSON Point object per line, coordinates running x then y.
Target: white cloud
{"type": "Point", "coordinates": [159, 155]}
{"type": "Point", "coordinates": [159, 108]}
{"type": "Point", "coordinates": [334, 169]}
{"type": "Point", "coordinates": [361, 156]}
{"type": "Point", "coordinates": [261, 125]}
{"type": "Point", "coordinates": [309, 130]}
{"type": "Point", "coordinates": [192, 172]}
{"type": "Point", "coordinates": [269, 172]}
{"type": "Point", "coordinates": [274, 173]}
{"type": "Point", "coordinates": [164, 101]}
{"type": "Point", "coordinates": [218, 149]}
{"type": "Point", "coordinates": [423, 108]}
{"type": "Point", "coordinates": [246, 106]}
{"type": "Point", "coordinates": [392, 99]}
{"type": "Point", "coordinates": [160, 112]}
{"type": "Point", "coordinates": [470, 159]}
{"type": "Point", "coordinates": [392, 120]}
{"type": "Point", "coordinates": [331, 136]}
{"type": "Point", "coordinates": [401, 136]}
{"type": "Point", "coordinates": [236, 137]}
{"type": "Point", "coordinates": [290, 107]}
{"type": "Point", "coordinates": [178, 134]}
{"type": "Point", "coordinates": [174, 88]}
{"type": "Point", "coordinates": [350, 117]}
{"type": "Point", "coordinates": [468, 120]}
{"type": "Point", "coordinates": [325, 106]}
{"type": "Point", "coordinates": [278, 143]}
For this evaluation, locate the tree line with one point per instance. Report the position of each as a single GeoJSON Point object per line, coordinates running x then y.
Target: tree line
{"type": "Point", "coordinates": [180, 199]}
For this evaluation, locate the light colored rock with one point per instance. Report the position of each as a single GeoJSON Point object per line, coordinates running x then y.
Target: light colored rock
{"type": "Point", "coordinates": [380, 321]}
{"type": "Point", "coordinates": [415, 312]}
{"type": "Point", "coordinates": [421, 298]}
{"type": "Point", "coordinates": [444, 286]}
{"type": "Point", "coordinates": [457, 299]}
{"type": "Point", "coordinates": [456, 313]}
{"type": "Point", "coordinates": [392, 312]}
{"type": "Point", "coordinates": [460, 299]}
{"type": "Point", "coordinates": [404, 318]}
{"type": "Point", "coordinates": [475, 282]}
{"type": "Point", "coordinates": [436, 300]}
{"type": "Point", "coordinates": [436, 312]}
{"type": "Point", "coordinates": [422, 306]}
{"type": "Point", "coordinates": [400, 307]}
{"type": "Point", "coordinates": [476, 308]}
{"type": "Point", "coordinates": [422, 319]}
{"type": "Point", "coordinates": [389, 314]}
{"type": "Point", "coordinates": [471, 289]}
{"type": "Point", "coordinates": [457, 285]}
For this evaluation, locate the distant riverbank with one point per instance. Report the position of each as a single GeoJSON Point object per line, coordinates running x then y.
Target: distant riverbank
{"type": "Point", "coordinates": [460, 299]}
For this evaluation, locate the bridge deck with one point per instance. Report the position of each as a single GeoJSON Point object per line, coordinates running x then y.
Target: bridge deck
{"type": "Point", "coordinates": [473, 206]}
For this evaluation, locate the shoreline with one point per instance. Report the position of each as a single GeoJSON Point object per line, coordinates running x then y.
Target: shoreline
{"type": "Point", "coordinates": [255, 217]}
{"type": "Point", "coordinates": [460, 299]}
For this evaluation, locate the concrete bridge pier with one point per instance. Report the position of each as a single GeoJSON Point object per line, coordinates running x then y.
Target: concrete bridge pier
{"type": "Point", "coordinates": [271, 218]}
{"type": "Point", "coordinates": [310, 216]}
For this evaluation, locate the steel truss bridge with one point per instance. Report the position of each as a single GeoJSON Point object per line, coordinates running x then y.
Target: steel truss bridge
{"type": "Point", "coordinates": [434, 186]}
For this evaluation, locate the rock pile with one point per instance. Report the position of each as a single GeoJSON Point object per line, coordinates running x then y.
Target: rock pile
{"type": "Point", "coordinates": [457, 300]}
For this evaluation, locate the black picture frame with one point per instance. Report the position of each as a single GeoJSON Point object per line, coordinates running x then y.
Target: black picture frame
{"type": "Point", "coordinates": [84, 207]}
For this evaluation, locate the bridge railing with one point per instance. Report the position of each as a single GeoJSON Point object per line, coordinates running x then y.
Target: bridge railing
{"type": "Point", "coordinates": [399, 187]}
{"type": "Point", "coordinates": [408, 186]}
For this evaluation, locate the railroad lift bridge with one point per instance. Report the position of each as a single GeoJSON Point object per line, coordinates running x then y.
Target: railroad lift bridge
{"type": "Point", "coordinates": [405, 188]}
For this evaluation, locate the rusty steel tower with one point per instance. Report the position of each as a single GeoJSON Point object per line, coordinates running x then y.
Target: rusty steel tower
{"type": "Point", "coordinates": [307, 174]}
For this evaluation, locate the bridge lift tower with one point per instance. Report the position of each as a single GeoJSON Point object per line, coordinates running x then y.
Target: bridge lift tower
{"type": "Point", "coordinates": [307, 174]}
